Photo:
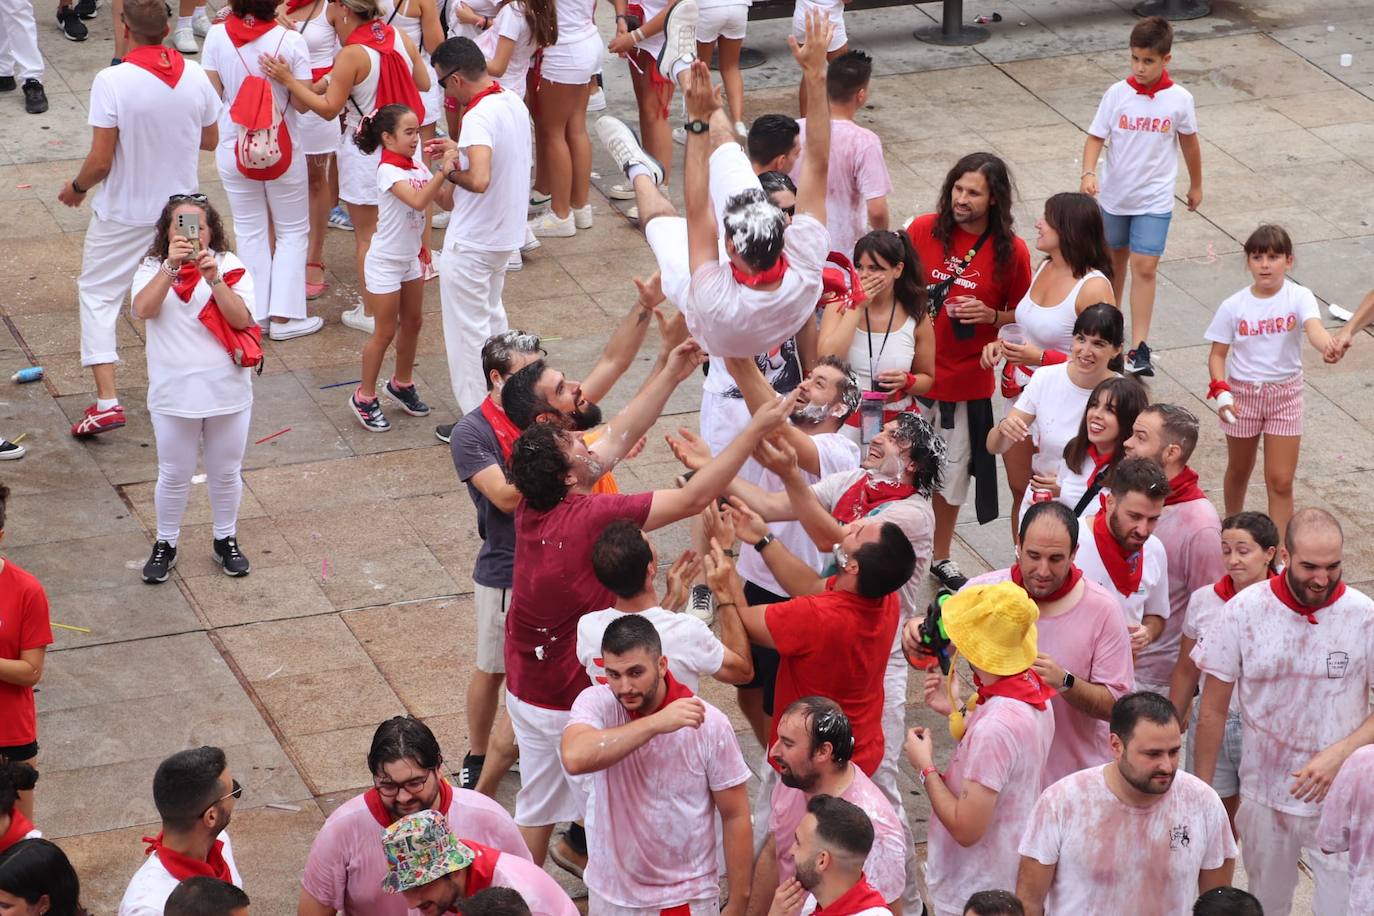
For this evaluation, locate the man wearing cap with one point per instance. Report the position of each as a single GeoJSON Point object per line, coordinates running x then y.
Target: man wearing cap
{"type": "Point", "coordinates": [433, 870]}
{"type": "Point", "coordinates": [983, 800]}
{"type": "Point", "coordinates": [831, 848]}
{"type": "Point", "coordinates": [1083, 647]}
{"type": "Point", "coordinates": [660, 765]}
{"type": "Point", "coordinates": [1119, 551]}
{"type": "Point", "coordinates": [1136, 835]}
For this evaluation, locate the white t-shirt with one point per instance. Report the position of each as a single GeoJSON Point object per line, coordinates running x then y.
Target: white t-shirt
{"type": "Point", "coordinates": [1058, 406]}
{"type": "Point", "coordinates": [1301, 687]}
{"type": "Point", "coordinates": [1347, 824]}
{"type": "Point", "coordinates": [1265, 335]}
{"type": "Point", "coordinates": [1151, 597]}
{"type": "Point", "coordinates": [159, 139]}
{"type": "Point", "coordinates": [836, 454]}
{"type": "Point", "coordinates": [857, 173]}
{"type": "Point", "coordinates": [510, 23]}
{"type": "Point", "coordinates": [219, 56]}
{"type": "Point", "coordinates": [152, 884]}
{"type": "Point", "coordinates": [1198, 620]}
{"type": "Point", "coordinates": [692, 650]}
{"type": "Point", "coordinates": [876, 351]}
{"type": "Point", "coordinates": [1005, 749]}
{"type": "Point", "coordinates": [483, 221]}
{"type": "Point", "coordinates": [730, 319]}
{"type": "Point", "coordinates": [651, 819]}
{"type": "Point", "coordinates": [1137, 173]}
{"type": "Point", "coordinates": [575, 20]}
{"type": "Point", "coordinates": [543, 895]}
{"type": "Point", "coordinates": [190, 374]}
{"type": "Point", "coordinates": [1111, 856]}
{"type": "Point", "coordinates": [399, 225]}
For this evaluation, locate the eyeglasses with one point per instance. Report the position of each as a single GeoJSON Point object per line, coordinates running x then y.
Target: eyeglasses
{"type": "Point", "coordinates": [412, 786]}
{"type": "Point", "coordinates": [194, 198]}
{"type": "Point", "coordinates": [236, 793]}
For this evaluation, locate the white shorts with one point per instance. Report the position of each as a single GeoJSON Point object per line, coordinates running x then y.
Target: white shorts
{"type": "Point", "coordinates": [600, 906]}
{"type": "Point", "coordinates": [722, 22]}
{"type": "Point", "coordinates": [358, 174]}
{"type": "Point", "coordinates": [958, 451]}
{"type": "Point", "coordinates": [575, 62]}
{"type": "Point", "coordinates": [491, 605]}
{"type": "Point", "coordinates": [722, 419]}
{"type": "Point", "coordinates": [837, 41]}
{"type": "Point", "coordinates": [317, 136]}
{"type": "Point", "coordinates": [432, 98]}
{"type": "Point", "coordinates": [384, 274]}
{"type": "Point", "coordinates": [546, 796]}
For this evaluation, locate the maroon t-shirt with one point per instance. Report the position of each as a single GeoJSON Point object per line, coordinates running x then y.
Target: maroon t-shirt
{"type": "Point", "coordinates": [554, 585]}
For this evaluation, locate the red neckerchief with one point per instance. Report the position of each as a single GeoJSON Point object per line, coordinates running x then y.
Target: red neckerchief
{"type": "Point", "coordinates": [858, 898]}
{"type": "Point", "coordinates": [1184, 488]}
{"type": "Point", "coordinates": [20, 826]}
{"type": "Point", "coordinates": [506, 430]}
{"type": "Point", "coordinates": [166, 64]}
{"type": "Point", "coordinates": [763, 277]}
{"type": "Point", "coordinates": [1160, 85]}
{"type": "Point", "coordinates": [1225, 588]}
{"type": "Point", "coordinates": [672, 690]}
{"type": "Point", "coordinates": [1279, 585]}
{"type": "Point", "coordinates": [1100, 462]}
{"type": "Point", "coordinates": [395, 79]}
{"type": "Point", "coordinates": [494, 88]}
{"type": "Point", "coordinates": [243, 29]}
{"type": "Point", "coordinates": [293, 5]}
{"type": "Point", "coordinates": [482, 871]}
{"type": "Point", "coordinates": [1074, 575]}
{"type": "Point", "coordinates": [373, 799]}
{"type": "Point", "coordinates": [396, 159]}
{"type": "Point", "coordinates": [189, 275]}
{"type": "Point", "coordinates": [866, 495]}
{"type": "Point", "coordinates": [1125, 570]}
{"type": "Point", "coordinates": [182, 867]}
{"type": "Point", "coordinates": [1028, 687]}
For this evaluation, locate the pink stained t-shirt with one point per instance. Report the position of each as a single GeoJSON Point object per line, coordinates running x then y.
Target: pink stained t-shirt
{"type": "Point", "coordinates": [346, 864]}
{"type": "Point", "coordinates": [651, 818]}
{"type": "Point", "coordinates": [1110, 856]}
{"type": "Point", "coordinates": [885, 866]}
{"type": "Point", "coordinates": [1301, 687]}
{"type": "Point", "coordinates": [1090, 641]}
{"type": "Point", "coordinates": [1191, 535]}
{"type": "Point", "coordinates": [1347, 823]}
{"type": "Point", "coordinates": [1004, 749]}
{"type": "Point", "coordinates": [542, 893]}
{"type": "Point", "coordinates": [857, 173]}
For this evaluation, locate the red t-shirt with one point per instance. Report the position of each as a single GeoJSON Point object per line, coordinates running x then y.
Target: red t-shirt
{"type": "Point", "coordinates": [23, 625]}
{"type": "Point", "coordinates": [836, 645]}
{"type": "Point", "coordinates": [552, 588]}
{"type": "Point", "coordinates": [958, 376]}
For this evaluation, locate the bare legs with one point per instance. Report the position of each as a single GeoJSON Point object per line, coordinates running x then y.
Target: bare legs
{"type": "Point", "coordinates": [364, 218]}
{"type": "Point", "coordinates": [1144, 269]}
{"type": "Point", "coordinates": [324, 192]}
{"type": "Point", "coordinates": [397, 318]}
{"type": "Point", "coordinates": [654, 132]}
{"type": "Point", "coordinates": [563, 149]}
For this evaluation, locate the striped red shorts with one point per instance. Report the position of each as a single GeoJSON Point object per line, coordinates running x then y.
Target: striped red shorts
{"type": "Point", "coordinates": [1272, 408]}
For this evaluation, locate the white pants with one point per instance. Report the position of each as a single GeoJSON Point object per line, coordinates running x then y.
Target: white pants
{"type": "Point", "coordinates": [178, 442]}
{"type": "Point", "coordinates": [885, 778]}
{"type": "Point", "coordinates": [1272, 841]}
{"type": "Point", "coordinates": [19, 40]}
{"type": "Point", "coordinates": [278, 277]}
{"type": "Point", "coordinates": [470, 285]}
{"type": "Point", "coordinates": [547, 795]}
{"type": "Point", "coordinates": [109, 260]}
{"type": "Point", "coordinates": [600, 906]}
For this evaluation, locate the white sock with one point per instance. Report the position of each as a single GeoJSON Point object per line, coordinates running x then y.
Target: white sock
{"type": "Point", "coordinates": [106, 403]}
{"type": "Point", "coordinates": [637, 169]}
{"type": "Point", "coordinates": [183, 22]}
{"type": "Point", "coordinates": [200, 11]}
{"type": "Point", "coordinates": [679, 66]}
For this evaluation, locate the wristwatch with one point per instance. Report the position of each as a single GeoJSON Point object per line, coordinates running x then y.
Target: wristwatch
{"type": "Point", "coordinates": [765, 541]}
{"type": "Point", "coordinates": [1069, 681]}
{"type": "Point", "coordinates": [696, 127]}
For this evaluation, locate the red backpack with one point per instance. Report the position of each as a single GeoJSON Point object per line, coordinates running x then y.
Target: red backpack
{"type": "Point", "coordinates": [262, 149]}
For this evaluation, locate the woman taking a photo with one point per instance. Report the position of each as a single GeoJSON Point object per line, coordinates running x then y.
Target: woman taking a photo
{"type": "Point", "coordinates": [195, 391]}
{"type": "Point", "coordinates": [888, 340]}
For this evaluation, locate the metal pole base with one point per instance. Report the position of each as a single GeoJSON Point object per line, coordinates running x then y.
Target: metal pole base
{"type": "Point", "coordinates": [748, 59]}
{"type": "Point", "coordinates": [1173, 10]}
{"type": "Point", "coordinates": [965, 36]}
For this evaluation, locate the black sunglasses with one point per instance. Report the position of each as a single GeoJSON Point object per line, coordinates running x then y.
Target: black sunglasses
{"type": "Point", "coordinates": [236, 793]}
{"type": "Point", "coordinates": [194, 198]}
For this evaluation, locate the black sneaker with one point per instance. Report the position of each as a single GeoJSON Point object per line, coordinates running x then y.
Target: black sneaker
{"type": "Point", "coordinates": [444, 432]}
{"type": "Point", "coordinates": [86, 9]}
{"type": "Point", "coordinates": [160, 563]}
{"type": "Point", "coordinates": [370, 415]}
{"type": "Point", "coordinates": [408, 397]}
{"type": "Point", "coordinates": [471, 771]}
{"type": "Point", "coordinates": [8, 84]}
{"type": "Point", "coordinates": [1138, 361]}
{"type": "Point", "coordinates": [228, 555]}
{"type": "Point", "coordinates": [73, 29]}
{"type": "Point", "coordinates": [948, 574]}
{"type": "Point", "coordinates": [35, 99]}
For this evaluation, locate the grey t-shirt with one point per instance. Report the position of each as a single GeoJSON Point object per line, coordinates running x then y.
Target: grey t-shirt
{"type": "Point", "coordinates": [475, 448]}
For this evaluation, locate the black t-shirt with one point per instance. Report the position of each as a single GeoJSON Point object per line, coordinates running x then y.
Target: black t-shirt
{"type": "Point", "coordinates": [475, 448]}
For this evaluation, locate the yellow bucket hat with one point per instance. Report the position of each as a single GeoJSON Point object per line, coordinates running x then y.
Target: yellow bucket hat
{"type": "Point", "coordinates": [993, 626]}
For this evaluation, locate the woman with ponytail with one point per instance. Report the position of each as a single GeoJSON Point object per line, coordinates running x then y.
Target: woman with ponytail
{"type": "Point", "coordinates": [519, 33]}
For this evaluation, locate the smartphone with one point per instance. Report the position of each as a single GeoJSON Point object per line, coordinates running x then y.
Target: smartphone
{"type": "Point", "coordinates": [188, 227]}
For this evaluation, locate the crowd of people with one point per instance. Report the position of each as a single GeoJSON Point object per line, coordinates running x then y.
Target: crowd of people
{"type": "Point", "coordinates": [847, 414]}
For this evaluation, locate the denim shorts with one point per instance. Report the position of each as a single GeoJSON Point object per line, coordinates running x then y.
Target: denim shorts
{"type": "Point", "coordinates": [1144, 233]}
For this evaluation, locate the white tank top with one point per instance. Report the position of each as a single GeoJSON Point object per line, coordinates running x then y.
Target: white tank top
{"type": "Point", "coordinates": [320, 38]}
{"type": "Point", "coordinates": [1050, 327]}
{"type": "Point", "coordinates": [896, 352]}
{"type": "Point", "coordinates": [412, 28]}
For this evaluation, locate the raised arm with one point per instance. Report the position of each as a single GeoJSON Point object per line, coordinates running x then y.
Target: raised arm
{"type": "Point", "coordinates": [586, 749]}
{"type": "Point", "coordinates": [777, 456]}
{"type": "Point", "coordinates": [702, 241]}
{"type": "Point", "coordinates": [758, 394]}
{"type": "Point", "coordinates": [815, 167]}
{"type": "Point", "coordinates": [694, 454]}
{"type": "Point", "coordinates": [634, 420]}
{"type": "Point", "coordinates": [838, 326]}
{"type": "Point", "coordinates": [793, 575]}
{"type": "Point", "coordinates": [624, 342]}
{"type": "Point", "coordinates": [737, 667]}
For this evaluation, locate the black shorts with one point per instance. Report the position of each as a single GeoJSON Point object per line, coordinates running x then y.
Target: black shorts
{"type": "Point", "coordinates": [20, 751]}
{"type": "Point", "coordinates": [765, 659]}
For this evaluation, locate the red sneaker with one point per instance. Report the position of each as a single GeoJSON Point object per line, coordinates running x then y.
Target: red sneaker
{"type": "Point", "coordinates": [96, 421]}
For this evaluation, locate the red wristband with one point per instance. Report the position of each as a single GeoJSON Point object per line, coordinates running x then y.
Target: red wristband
{"type": "Point", "coordinates": [1217, 387]}
{"type": "Point", "coordinates": [927, 771]}
{"type": "Point", "coordinates": [910, 381]}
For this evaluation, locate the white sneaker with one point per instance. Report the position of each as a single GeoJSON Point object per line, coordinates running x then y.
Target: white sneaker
{"type": "Point", "coordinates": [440, 219]}
{"type": "Point", "coordinates": [582, 217]}
{"type": "Point", "coordinates": [531, 242]}
{"type": "Point", "coordinates": [742, 130]}
{"type": "Point", "coordinates": [432, 268]}
{"type": "Point", "coordinates": [549, 226]}
{"type": "Point", "coordinates": [200, 23]}
{"type": "Point", "coordinates": [622, 191]}
{"type": "Point", "coordinates": [515, 262]}
{"type": "Point", "coordinates": [633, 213]}
{"type": "Point", "coordinates": [355, 319]}
{"type": "Point", "coordinates": [295, 327]}
{"type": "Point", "coordinates": [620, 141]}
{"type": "Point", "coordinates": [679, 36]}
{"type": "Point", "coordinates": [184, 40]}
{"type": "Point", "coordinates": [539, 203]}
{"type": "Point", "coordinates": [597, 100]}
{"type": "Point", "coordinates": [680, 136]}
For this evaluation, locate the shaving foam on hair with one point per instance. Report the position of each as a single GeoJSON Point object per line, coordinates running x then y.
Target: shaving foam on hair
{"type": "Point", "coordinates": [753, 222]}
